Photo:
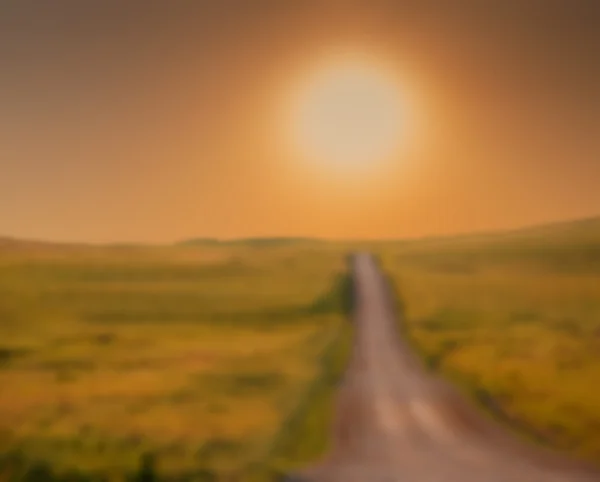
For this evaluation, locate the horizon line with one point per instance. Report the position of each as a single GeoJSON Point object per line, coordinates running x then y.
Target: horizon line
{"type": "Point", "coordinates": [292, 238]}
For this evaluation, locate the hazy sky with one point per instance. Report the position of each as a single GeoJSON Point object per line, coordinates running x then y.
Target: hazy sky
{"type": "Point", "coordinates": [155, 121]}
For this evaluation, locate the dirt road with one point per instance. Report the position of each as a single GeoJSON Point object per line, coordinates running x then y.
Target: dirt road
{"type": "Point", "coordinates": [395, 421]}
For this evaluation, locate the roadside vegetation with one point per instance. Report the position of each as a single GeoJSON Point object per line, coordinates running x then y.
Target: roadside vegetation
{"type": "Point", "coordinates": [190, 362]}
{"type": "Point", "coordinates": [514, 320]}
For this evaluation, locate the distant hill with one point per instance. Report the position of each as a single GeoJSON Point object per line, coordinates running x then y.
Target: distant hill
{"type": "Point", "coordinates": [275, 241]}
{"type": "Point", "coordinates": [567, 246]}
{"type": "Point", "coordinates": [581, 232]}
{"type": "Point", "coordinates": [199, 242]}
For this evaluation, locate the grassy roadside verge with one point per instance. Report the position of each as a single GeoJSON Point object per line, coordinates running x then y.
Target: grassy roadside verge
{"type": "Point", "coordinates": [304, 435]}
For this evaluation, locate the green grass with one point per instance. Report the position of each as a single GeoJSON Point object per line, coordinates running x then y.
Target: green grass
{"type": "Point", "coordinates": [514, 319]}
{"type": "Point", "coordinates": [202, 356]}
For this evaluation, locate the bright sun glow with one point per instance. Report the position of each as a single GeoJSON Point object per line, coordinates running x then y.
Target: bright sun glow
{"type": "Point", "coordinates": [349, 114]}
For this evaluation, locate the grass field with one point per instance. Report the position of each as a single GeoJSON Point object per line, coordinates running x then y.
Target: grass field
{"type": "Point", "coordinates": [200, 355]}
{"type": "Point", "coordinates": [221, 358]}
{"type": "Point", "coordinates": [514, 319]}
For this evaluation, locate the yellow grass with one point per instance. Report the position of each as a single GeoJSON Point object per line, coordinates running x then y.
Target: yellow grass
{"type": "Point", "coordinates": [195, 354]}
{"type": "Point", "coordinates": [515, 323]}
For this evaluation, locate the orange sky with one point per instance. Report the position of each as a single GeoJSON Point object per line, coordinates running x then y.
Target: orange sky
{"type": "Point", "coordinates": [146, 121]}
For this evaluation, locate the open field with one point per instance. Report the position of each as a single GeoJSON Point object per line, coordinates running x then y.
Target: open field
{"type": "Point", "coordinates": [200, 355]}
{"type": "Point", "coordinates": [514, 319]}
{"type": "Point", "coordinates": [221, 358]}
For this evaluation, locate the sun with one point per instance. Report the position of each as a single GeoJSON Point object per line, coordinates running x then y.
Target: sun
{"type": "Point", "coordinates": [349, 114]}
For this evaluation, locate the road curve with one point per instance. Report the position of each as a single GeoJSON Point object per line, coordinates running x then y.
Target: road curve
{"type": "Point", "coordinates": [395, 421]}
